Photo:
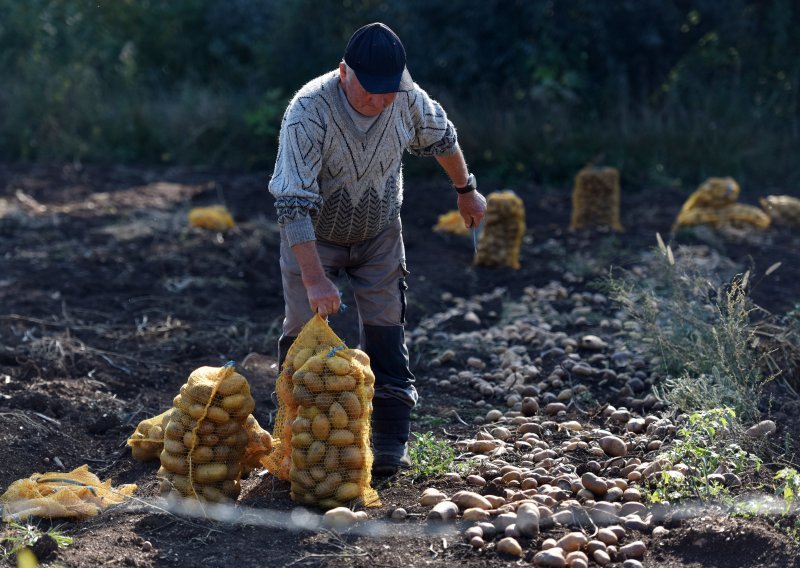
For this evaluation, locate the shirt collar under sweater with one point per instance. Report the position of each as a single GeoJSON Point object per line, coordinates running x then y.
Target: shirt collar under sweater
{"type": "Point", "coordinates": [362, 122]}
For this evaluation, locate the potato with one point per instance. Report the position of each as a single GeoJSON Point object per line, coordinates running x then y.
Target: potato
{"type": "Point", "coordinates": [316, 452]}
{"type": "Point", "coordinates": [174, 447]}
{"type": "Point", "coordinates": [351, 404]}
{"type": "Point", "coordinates": [233, 403]}
{"type": "Point", "coordinates": [181, 483]}
{"type": "Point", "coordinates": [301, 357]}
{"type": "Point", "coordinates": [200, 392]}
{"type": "Point", "coordinates": [209, 440]}
{"type": "Point", "coordinates": [338, 365]}
{"type": "Point", "coordinates": [338, 416]}
{"type": "Point", "coordinates": [303, 478]}
{"type": "Point", "coordinates": [324, 401]}
{"type": "Point", "coordinates": [231, 384]}
{"type": "Point", "coordinates": [359, 356]}
{"type": "Point", "coordinates": [217, 415]}
{"type": "Point", "coordinates": [302, 440]}
{"type": "Point", "coordinates": [332, 459]}
{"type": "Point", "coordinates": [236, 440]}
{"type": "Point", "coordinates": [214, 495]}
{"type": "Point", "coordinates": [301, 424]}
{"type": "Point", "coordinates": [348, 492]}
{"type": "Point", "coordinates": [327, 487]}
{"type": "Point", "coordinates": [201, 454]}
{"type": "Point", "coordinates": [174, 463]}
{"type": "Point", "coordinates": [315, 364]}
{"type": "Point", "coordinates": [299, 458]}
{"type": "Point", "coordinates": [204, 427]}
{"type": "Point", "coordinates": [369, 377]}
{"type": "Point", "coordinates": [318, 473]}
{"type": "Point", "coordinates": [341, 438]}
{"type": "Point", "coordinates": [356, 427]}
{"type": "Point", "coordinates": [308, 412]}
{"type": "Point", "coordinates": [156, 432]}
{"type": "Point", "coordinates": [321, 427]}
{"type": "Point", "coordinates": [313, 382]}
{"type": "Point", "coordinates": [222, 453]}
{"type": "Point", "coordinates": [174, 430]}
{"type": "Point", "coordinates": [355, 475]}
{"type": "Point", "coordinates": [226, 429]}
{"type": "Point", "coordinates": [190, 440]}
{"type": "Point", "coordinates": [210, 472]}
{"type": "Point", "coordinates": [301, 396]}
{"type": "Point", "coordinates": [339, 383]}
{"type": "Point", "coordinates": [351, 457]}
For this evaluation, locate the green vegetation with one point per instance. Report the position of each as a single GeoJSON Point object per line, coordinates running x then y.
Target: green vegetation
{"type": "Point", "coordinates": [668, 93]}
{"type": "Point", "coordinates": [23, 536]}
{"type": "Point", "coordinates": [699, 329]}
{"type": "Point", "coordinates": [788, 487]}
{"type": "Point", "coordinates": [431, 457]}
{"type": "Point", "coordinates": [705, 443]}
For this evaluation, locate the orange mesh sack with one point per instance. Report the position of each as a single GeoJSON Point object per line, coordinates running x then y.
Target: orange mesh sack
{"type": "Point", "coordinates": [596, 199]}
{"type": "Point", "coordinates": [325, 406]}
{"type": "Point", "coordinates": [451, 222]}
{"type": "Point", "coordinates": [78, 494]}
{"type": "Point", "coordinates": [147, 441]}
{"type": "Point", "coordinates": [213, 218]}
{"type": "Point", "coordinates": [502, 233]}
{"type": "Point", "coordinates": [205, 437]}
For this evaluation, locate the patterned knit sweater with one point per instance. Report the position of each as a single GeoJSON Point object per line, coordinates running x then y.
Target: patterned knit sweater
{"type": "Point", "coordinates": [335, 183]}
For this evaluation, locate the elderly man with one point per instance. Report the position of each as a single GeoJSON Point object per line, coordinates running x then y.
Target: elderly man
{"type": "Point", "coordinates": [338, 189]}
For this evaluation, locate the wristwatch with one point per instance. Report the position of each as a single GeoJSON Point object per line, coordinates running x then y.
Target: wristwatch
{"type": "Point", "coordinates": [472, 185]}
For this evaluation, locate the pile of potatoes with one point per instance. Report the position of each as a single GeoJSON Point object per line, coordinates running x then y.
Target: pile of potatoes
{"type": "Point", "coordinates": [502, 234]}
{"type": "Point", "coordinates": [206, 436]}
{"type": "Point", "coordinates": [596, 199]}
{"type": "Point", "coordinates": [329, 438]}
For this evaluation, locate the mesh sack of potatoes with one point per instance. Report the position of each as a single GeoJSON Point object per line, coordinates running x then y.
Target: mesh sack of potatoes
{"type": "Point", "coordinates": [596, 199]}
{"type": "Point", "coordinates": [78, 494]}
{"type": "Point", "coordinates": [323, 423]}
{"type": "Point", "coordinates": [501, 237]}
{"type": "Point", "coordinates": [782, 209]}
{"type": "Point", "coordinates": [451, 222]}
{"type": "Point", "coordinates": [741, 215]}
{"type": "Point", "coordinates": [147, 440]}
{"type": "Point", "coordinates": [205, 437]}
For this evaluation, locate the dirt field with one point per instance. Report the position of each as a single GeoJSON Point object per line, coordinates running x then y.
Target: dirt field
{"type": "Point", "coordinates": [108, 300]}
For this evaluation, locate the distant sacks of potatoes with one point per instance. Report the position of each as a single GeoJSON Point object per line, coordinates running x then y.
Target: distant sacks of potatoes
{"type": "Point", "coordinates": [504, 227]}
{"type": "Point", "coordinates": [325, 405]}
{"type": "Point", "coordinates": [206, 436]}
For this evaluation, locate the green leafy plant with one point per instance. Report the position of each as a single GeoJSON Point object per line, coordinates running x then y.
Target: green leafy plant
{"type": "Point", "coordinates": [704, 444]}
{"type": "Point", "coordinates": [788, 487]}
{"type": "Point", "coordinates": [23, 536]}
{"type": "Point", "coordinates": [431, 457]}
{"type": "Point", "coordinates": [699, 327]}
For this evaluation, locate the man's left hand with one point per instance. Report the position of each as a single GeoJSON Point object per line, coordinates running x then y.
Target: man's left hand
{"type": "Point", "coordinates": [472, 207]}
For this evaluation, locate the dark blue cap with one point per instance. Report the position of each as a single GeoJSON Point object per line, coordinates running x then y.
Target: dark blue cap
{"type": "Point", "coordinates": [378, 58]}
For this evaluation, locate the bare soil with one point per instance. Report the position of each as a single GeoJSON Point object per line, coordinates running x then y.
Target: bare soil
{"type": "Point", "coordinates": [108, 300]}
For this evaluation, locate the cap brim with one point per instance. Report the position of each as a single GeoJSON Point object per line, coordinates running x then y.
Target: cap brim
{"type": "Point", "coordinates": [382, 84]}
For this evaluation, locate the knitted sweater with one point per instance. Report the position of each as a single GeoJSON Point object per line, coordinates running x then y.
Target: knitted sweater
{"type": "Point", "coordinates": [335, 183]}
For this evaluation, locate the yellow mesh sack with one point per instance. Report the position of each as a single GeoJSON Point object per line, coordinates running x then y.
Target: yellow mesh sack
{"type": "Point", "coordinates": [78, 494]}
{"type": "Point", "coordinates": [504, 227]}
{"type": "Point", "coordinates": [744, 216]}
{"type": "Point", "coordinates": [147, 441]}
{"type": "Point", "coordinates": [451, 222]}
{"type": "Point", "coordinates": [323, 423]}
{"type": "Point", "coordinates": [596, 199]}
{"type": "Point", "coordinates": [714, 203]}
{"type": "Point", "coordinates": [213, 218]}
{"type": "Point", "coordinates": [782, 209]}
{"type": "Point", "coordinates": [205, 437]}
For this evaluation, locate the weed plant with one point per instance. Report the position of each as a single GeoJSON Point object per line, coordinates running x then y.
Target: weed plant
{"type": "Point", "coordinates": [431, 457]}
{"type": "Point", "coordinates": [23, 536]}
{"type": "Point", "coordinates": [701, 330]}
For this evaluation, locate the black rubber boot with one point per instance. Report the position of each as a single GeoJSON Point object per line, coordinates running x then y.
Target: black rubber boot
{"type": "Point", "coordinates": [391, 428]}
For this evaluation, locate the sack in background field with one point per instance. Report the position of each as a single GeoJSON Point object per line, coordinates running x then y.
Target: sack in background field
{"type": "Point", "coordinates": [714, 203]}
{"type": "Point", "coordinates": [206, 436]}
{"type": "Point", "coordinates": [504, 227]}
{"type": "Point", "coordinates": [782, 209]}
{"type": "Point", "coordinates": [323, 423]}
{"type": "Point", "coordinates": [451, 222]}
{"type": "Point", "coordinates": [596, 199]}
{"type": "Point", "coordinates": [78, 494]}
{"type": "Point", "coordinates": [213, 218]}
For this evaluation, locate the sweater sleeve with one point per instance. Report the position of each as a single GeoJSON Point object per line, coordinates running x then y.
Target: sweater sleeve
{"type": "Point", "coordinates": [294, 180]}
{"type": "Point", "coordinates": [435, 135]}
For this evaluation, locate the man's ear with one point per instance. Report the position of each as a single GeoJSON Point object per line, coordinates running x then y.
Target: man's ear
{"type": "Point", "coordinates": [342, 71]}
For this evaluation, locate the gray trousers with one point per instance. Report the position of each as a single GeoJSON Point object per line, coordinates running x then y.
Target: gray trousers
{"type": "Point", "coordinates": [376, 272]}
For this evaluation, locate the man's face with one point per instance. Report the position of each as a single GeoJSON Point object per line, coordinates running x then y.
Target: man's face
{"type": "Point", "coordinates": [365, 103]}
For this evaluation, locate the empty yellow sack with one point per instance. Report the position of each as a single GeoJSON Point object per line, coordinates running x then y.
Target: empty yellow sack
{"type": "Point", "coordinates": [78, 494]}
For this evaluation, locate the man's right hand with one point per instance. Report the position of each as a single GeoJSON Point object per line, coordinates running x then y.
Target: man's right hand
{"type": "Point", "coordinates": [323, 295]}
